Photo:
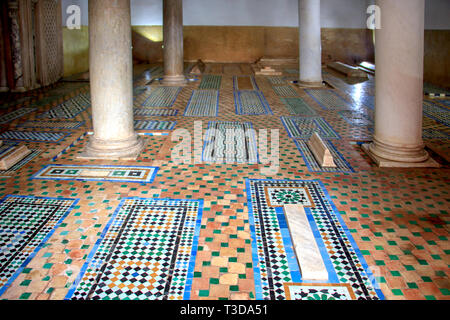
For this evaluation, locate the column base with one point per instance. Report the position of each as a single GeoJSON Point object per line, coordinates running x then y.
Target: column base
{"type": "Point", "coordinates": [306, 84]}
{"type": "Point", "coordinates": [179, 80]}
{"type": "Point", "coordinates": [128, 149]}
{"type": "Point", "coordinates": [386, 163]}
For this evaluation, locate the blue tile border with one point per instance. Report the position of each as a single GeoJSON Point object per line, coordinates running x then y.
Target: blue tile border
{"type": "Point", "coordinates": [348, 103]}
{"type": "Point", "coordinates": [205, 141]}
{"type": "Point", "coordinates": [190, 271]}
{"type": "Point", "coordinates": [308, 164]}
{"type": "Point", "coordinates": [261, 97]}
{"type": "Point", "coordinates": [152, 178]}
{"type": "Point", "coordinates": [190, 99]}
{"type": "Point", "coordinates": [44, 241]}
{"type": "Point", "coordinates": [287, 241]}
{"type": "Point", "coordinates": [64, 135]}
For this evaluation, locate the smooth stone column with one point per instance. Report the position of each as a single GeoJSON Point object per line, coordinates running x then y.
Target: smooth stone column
{"type": "Point", "coordinates": [399, 57]}
{"type": "Point", "coordinates": [173, 42]}
{"type": "Point", "coordinates": [111, 76]}
{"type": "Point", "coordinates": [310, 58]}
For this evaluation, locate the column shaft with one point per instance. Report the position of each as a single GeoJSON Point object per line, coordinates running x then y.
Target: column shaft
{"type": "Point", "coordinates": [173, 42]}
{"type": "Point", "coordinates": [310, 58]}
{"type": "Point", "coordinates": [399, 84]}
{"type": "Point", "coordinates": [111, 74]}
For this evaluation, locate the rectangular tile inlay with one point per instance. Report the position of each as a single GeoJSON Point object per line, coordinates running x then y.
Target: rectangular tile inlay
{"type": "Point", "coordinates": [328, 99]}
{"type": "Point", "coordinates": [101, 173]}
{"type": "Point", "coordinates": [439, 113]}
{"type": "Point", "coordinates": [20, 164]}
{"type": "Point", "coordinates": [154, 125]}
{"type": "Point", "coordinates": [27, 223]}
{"type": "Point", "coordinates": [15, 114]}
{"type": "Point", "coordinates": [304, 127]}
{"type": "Point", "coordinates": [148, 112]}
{"type": "Point", "coordinates": [230, 142]}
{"type": "Point", "coordinates": [285, 91]}
{"type": "Point", "coordinates": [69, 125]}
{"type": "Point", "coordinates": [210, 81]}
{"type": "Point", "coordinates": [275, 80]}
{"type": "Point", "coordinates": [356, 118]}
{"type": "Point", "coordinates": [274, 259]}
{"type": "Point", "coordinates": [305, 246]}
{"type": "Point", "coordinates": [34, 136]}
{"type": "Point", "coordinates": [251, 103]}
{"type": "Point", "coordinates": [298, 106]}
{"type": "Point", "coordinates": [203, 103]}
{"type": "Point", "coordinates": [147, 251]}
{"type": "Point", "coordinates": [68, 109]}
{"type": "Point", "coordinates": [162, 97]}
{"type": "Point", "coordinates": [341, 164]}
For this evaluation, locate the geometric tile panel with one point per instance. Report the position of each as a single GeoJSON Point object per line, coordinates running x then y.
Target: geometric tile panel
{"type": "Point", "coordinates": [328, 99]}
{"type": "Point", "coordinates": [97, 173]}
{"type": "Point", "coordinates": [210, 81]}
{"type": "Point", "coordinates": [304, 127]}
{"type": "Point", "coordinates": [154, 125]}
{"type": "Point", "coordinates": [356, 118]}
{"type": "Point", "coordinates": [445, 102]}
{"type": "Point", "coordinates": [144, 112]}
{"type": "Point", "coordinates": [275, 80]}
{"type": "Point", "coordinates": [285, 91]}
{"type": "Point", "coordinates": [68, 109]}
{"type": "Point", "coordinates": [435, 134]}
{"type": "Point", "coordinates": [146, 252]}
{"type": "Point", "coordinates": [230, 142]}
{"type": "Point", "coordinates": [274, 260]}
{"type": "Point", "coordinates": [250, 102]}
{"type": "Point", "coordinates": [26, 222]}
{"type": "Point", "coordinates": [203, 103]}
{"type": "Point", "coordinates": [310, 160]}
{"type": "Point", "coordinates": [34, 136]}
{"type": "Point", "coordinates": [162, 97]}
{"type": "Point", "coordinates": [21, 163]}
{"type": "Point", "coordinates": [298, 106]}
{"type": "Point", "coordinates": [436, 112]}
{"type": "Point", "coordinates": [7, 146]}
{"type": "Point", "coordinates": [51, 124]}
{"type": "Point", "coordinates": [318, 291]}
{"type": "Point", "coordinates": [15, 114]}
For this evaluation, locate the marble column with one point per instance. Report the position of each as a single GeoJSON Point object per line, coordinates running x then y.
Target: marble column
{"type": "Point", "coordinates": [310, 58]}
{"type": "Point", "coordinates": [173, 42]}
{"type": "Point", "coordinates": [399, 54]}
{"type": "Point", "coordinates": [111, 76]}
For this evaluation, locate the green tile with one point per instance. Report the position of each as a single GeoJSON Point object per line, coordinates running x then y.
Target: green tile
{"type": "Point", "coordinates": [412, 285]}
{"type": "Point", "coordinates": [25, 283]}
{"type": "Point", "coordinates": [397, 292]}
{"type": "Point", "coordinates": [445, 291]}
{"type": "Point", "coordinates": [25, 296]}
{"type": "Point", "coordinates": [203, 293]}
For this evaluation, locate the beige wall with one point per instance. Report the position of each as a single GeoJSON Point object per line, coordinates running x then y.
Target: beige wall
{"type": "Point", "coordinates": [437, 57]}
{"type": "Point", "coordinates": [76, 50]}
{"type": "Point", "coordinates": [249, 43]}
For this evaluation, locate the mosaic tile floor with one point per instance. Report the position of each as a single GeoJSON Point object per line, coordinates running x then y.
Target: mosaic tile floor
{"type": "Point", "coordinates": [391, 224]}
